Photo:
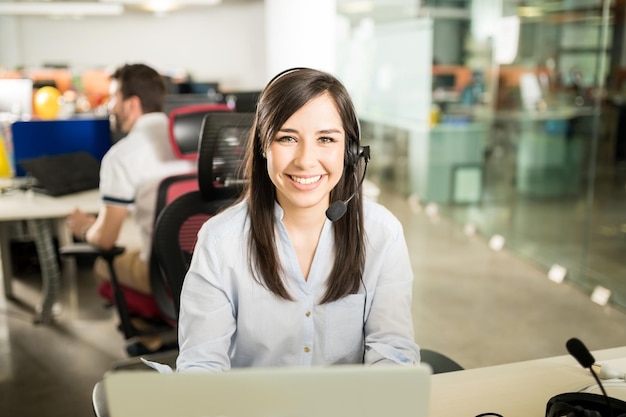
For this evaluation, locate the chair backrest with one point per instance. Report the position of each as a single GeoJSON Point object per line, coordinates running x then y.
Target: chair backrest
{"type": "Point", "coordinates": [439, 362]}
{"type": "Point", "coordinates": [222, 142]}
{"type": "Point", "coordinates": [184, 127]}
{"type": "Point", "coordinates": [176, 234]}
{"type": "Point", "coordinates": [170, 189]}
{"type": "Point", "coordinates": [173, 187]}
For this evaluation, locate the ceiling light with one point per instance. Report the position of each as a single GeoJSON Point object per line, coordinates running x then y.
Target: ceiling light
{"type": "Point", "coordinates": [529, 11]}
{"type": "Point", "coordinates": [61, 9]}
{"type": "Point", "coordinates": [179, 2]}
{"type": "Point", "coordinates": [356, 7]}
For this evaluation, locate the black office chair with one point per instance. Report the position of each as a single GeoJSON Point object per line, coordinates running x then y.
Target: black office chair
{"type": "Point", "coordinates": [439, 362]}
{"type": "Point", "coordinates": [157, 309]}
{"type": "Point", "coordinates": [222, 144]}
{"type": "Point", "coordinates": [223, 137]}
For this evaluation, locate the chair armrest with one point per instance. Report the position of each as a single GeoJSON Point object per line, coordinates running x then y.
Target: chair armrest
{"type": "Point", "coordinates": [87, 249]}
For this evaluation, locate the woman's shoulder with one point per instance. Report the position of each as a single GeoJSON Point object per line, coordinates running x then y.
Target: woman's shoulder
{"type": "Point", "coordinates": [228, 221]}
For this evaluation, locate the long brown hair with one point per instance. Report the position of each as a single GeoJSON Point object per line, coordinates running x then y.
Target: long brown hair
{"type": "Point", "coordinates": [280, 99]}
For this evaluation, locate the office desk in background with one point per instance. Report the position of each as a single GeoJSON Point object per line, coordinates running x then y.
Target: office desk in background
{"type": "Point", "coordinates": [519, 389]}
{"type": "Point", "coordinates": [45, 218]}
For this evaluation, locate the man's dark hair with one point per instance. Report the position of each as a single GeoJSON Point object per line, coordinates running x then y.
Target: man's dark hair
{"type": "Point", "coordinates": [144, 82]}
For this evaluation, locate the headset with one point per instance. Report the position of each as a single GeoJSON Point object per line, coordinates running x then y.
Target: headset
{"type": "Point", "coordinates": [353, 149]}
{"type": "Point", "coordinates": [586, 404]}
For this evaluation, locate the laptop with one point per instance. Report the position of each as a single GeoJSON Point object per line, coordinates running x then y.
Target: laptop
{"type": "Point", "coordinates": [63, 174]}
{"type": "Point", "coordinates": [336, 391]}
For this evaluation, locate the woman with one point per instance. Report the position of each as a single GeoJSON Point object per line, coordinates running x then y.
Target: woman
{"type": "Point", "coordinates": [273, 281]}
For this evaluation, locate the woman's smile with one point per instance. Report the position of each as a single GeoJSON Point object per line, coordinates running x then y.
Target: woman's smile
{"type": "Point", "coordinates": [305, 180]}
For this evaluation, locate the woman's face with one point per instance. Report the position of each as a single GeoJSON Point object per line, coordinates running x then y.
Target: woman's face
{"type": "Point", "coordinates": [305, 158]}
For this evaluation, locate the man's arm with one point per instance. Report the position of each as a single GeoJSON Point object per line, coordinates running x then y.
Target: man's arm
{"type": "Point", "coordinates": [102, 231]}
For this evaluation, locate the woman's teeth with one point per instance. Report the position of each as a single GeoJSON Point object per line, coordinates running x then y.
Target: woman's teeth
{"type": "Point", "coordinates": [306, 181]}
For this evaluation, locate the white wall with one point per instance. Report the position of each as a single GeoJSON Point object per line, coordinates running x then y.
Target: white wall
{"type": "Point", "coordinates": [300, 33]}
{"type": "Point", "coordinates": [224, 44]}
{"type": "Point", "coordinates": [387, 69]}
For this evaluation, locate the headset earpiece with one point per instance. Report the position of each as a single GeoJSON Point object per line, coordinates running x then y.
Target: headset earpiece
{"type": "Point", "coordinates": [583, 404]}
{"type": "Point", "coordinates": [353, 153]}
{"type": "Point", "coordinates": [354, 149]}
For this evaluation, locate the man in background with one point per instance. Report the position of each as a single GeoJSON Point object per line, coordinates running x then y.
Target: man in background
{"type": "Point", "coordinates": [129, 177]}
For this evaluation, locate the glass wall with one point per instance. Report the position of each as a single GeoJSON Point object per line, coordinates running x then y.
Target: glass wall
{"type": "Point", "coordinates": [524, 135]}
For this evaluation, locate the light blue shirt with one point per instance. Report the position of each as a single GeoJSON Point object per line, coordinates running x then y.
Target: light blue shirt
{"type": "Point", "coordinates": [227, 319]}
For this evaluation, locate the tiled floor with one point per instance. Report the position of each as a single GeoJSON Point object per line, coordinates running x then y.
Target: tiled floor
{"type": "Point", "coordinates": [479, 306]}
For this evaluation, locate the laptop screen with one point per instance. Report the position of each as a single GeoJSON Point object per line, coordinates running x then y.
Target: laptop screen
{"type": "Point", "coordinates": [336, 391]}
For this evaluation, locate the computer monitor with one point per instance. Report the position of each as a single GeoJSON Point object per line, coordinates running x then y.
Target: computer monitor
{"type": "Point", "coordinates": [207, 88]}
{"type": "Point", "coordinates": [175, 101]}
{"type": "Point", "coordinates": [445, 81]}
{"type": "Point", "coordinates": [35, 138]}
{"type": "Point", "coordinates": [16, 96]}
{"type": "Point", "coordinates": [245, 101]}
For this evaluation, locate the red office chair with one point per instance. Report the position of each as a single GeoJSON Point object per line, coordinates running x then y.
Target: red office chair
{"type": "Point", "coordinates": [156, 309]}
{"type": "Point", "coordinates": [185, 124]}
{"type": "Point", "coordinates": [222, 141]}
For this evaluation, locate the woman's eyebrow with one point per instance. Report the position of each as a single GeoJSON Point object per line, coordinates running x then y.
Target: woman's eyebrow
{"type": "Point", "coordinates": [323, 131]}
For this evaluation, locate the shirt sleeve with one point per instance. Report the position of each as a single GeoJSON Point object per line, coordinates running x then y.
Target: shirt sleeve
{"type": "Point", "coordinates": [389, 335]}
{"type": "Point", "coordinates": [206, 321]}
{"type": "Point", "coordinates": [117, 185]}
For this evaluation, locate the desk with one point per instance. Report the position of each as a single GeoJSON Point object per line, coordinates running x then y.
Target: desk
{"type": "Point", "coordinates": [44, 216]}
{"type": "Point", "coordinates": [519, 389]}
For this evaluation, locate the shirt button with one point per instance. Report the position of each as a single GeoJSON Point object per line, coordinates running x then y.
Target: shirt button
{"type": "Point", "coordinates": [307, 349]}
{"type": "Point", "coordinates": [308, 314]}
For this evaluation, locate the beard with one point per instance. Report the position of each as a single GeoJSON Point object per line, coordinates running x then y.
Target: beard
{"type": "Point", "coordinates": [117, 122]}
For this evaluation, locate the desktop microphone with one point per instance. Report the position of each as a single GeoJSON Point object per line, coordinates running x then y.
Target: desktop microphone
{"type": "Point", "coordinates": [337, 209]}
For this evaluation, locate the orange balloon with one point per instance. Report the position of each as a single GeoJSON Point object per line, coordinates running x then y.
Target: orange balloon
{"type": "Point", "coordinates": [47, 104]}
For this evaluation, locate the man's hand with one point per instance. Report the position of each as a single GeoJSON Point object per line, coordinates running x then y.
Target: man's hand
{"type": "Point", "coordinates": [79, 222]}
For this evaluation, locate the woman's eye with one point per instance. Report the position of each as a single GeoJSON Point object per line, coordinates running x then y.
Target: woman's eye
{"type": "Point", "coordinates": [327, 139]}
{"type": "Point", "coordinates": [285, 139]}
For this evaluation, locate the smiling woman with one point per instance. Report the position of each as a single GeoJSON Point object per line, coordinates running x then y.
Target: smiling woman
{"type": "Point", "coordinates": [311, 291]}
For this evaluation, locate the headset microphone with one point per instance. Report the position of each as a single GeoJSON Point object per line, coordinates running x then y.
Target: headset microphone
{"type": "Point", "coordinates": [579, 351]}
{"type": "Point", "coordinates": [337, 209]}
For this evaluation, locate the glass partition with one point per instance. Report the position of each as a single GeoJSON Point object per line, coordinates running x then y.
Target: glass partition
{"type": "Point", "coordinates": [524, 132]}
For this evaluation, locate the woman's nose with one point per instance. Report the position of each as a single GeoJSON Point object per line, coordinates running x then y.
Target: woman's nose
{"type": "Point", "coordinates": [306, 155]}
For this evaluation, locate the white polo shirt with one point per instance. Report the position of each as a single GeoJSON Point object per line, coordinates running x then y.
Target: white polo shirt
{"type": "Point", "coordinates": [133, 168]}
